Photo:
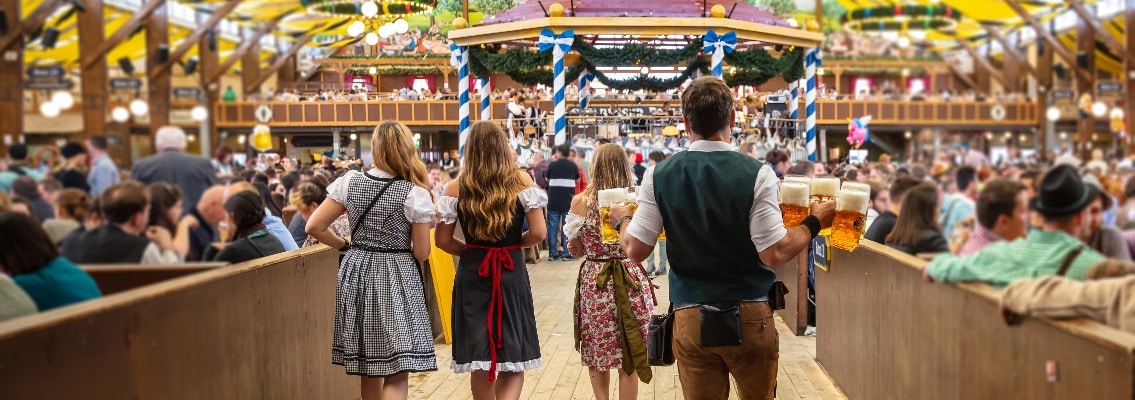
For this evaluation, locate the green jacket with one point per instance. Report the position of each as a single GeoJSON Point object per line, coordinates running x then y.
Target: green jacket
{"type": "Point", "coordinates": [999, 264]}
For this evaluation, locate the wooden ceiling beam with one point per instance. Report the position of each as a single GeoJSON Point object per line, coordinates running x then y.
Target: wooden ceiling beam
{"type": "Point", "coordinates": [246, 45]}
{"type": "Point", "coordinates": [33, 23]}
{"type": "Point", "coordinates": [1010, 51]}
{"type": "Point", "coordinates": [958, 73]}
{"type": "Point", "coordinates": [1056, 46]}
{"type": "Point", "coordinates": [1091, 19]}
{"type": "Point", "coordinates": [123, 32]}
{"type": "Point", "coordinates": [284, 58]}
{"type": "Point", "coordinates": [983, 62]}
{"type": "Point", "coordinates": [195, 37]}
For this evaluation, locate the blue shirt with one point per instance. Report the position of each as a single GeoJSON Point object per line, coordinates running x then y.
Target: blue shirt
{"type": "Point", "coordinates": [103, 174]}
{"type": "Point", "coordinates": [955, 208]}
{"type": "Point", "coordinates": [7, 177]}
{"type": "Point", "coordinates": [57, 284]}
{"type": "Point", "coordinates": [276, 228]}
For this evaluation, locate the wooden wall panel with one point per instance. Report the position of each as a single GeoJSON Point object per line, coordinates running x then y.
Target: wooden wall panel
{"type": "Point", "coordinates": [794, 274]}
{"type": "Point", "coordinates": [257, 330]}
{"type": "Point", "coordinates": [886, 334]}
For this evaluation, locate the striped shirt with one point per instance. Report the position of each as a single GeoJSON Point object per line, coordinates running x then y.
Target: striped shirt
{"type": "Point", "coordinates": [999, 264]}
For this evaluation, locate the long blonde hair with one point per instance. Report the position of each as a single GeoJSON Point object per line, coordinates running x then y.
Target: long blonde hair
{"type": "Point", "coordinates": [392, 149]}
{"type": "Point", "coordinates": [489, 182]}
{"type": "Point", "coordinates": [609, 170]}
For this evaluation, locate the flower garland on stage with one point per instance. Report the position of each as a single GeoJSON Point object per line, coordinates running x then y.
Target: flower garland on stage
{"type": "Point", "coordinates": [751, 67]}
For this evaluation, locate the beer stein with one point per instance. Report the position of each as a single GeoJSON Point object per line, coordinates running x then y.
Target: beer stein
{"type": "Point", "coordinates": [608, 198]}
{"type": "Point", "coordinates": [794, 202]}
{"type": "Point", "coordinates": [850, 218]}
{"type": "Point", "coordinates": [824, 189]}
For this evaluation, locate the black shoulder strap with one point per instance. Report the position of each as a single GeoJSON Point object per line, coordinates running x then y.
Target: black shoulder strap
{"type": "Point", "coordinates": [355, 226]}
{"type": "Point", "coordinates": [1068, 260]}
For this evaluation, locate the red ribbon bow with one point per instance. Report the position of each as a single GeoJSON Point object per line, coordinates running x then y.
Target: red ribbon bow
{"type": "Point", "coordinates": [497, 258]}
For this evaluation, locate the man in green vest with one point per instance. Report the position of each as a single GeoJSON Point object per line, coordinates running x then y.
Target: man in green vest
{"type": "Point", "coordinates": [724, 228]}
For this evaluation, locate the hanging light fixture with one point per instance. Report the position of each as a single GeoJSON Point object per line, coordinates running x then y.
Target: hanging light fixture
{"type": "Point", "coordinates": [138, 107]}
{"type": "Point", "coordinates": [356, 28]}
{"type": "Point", "coordinates": [1053, 113]}
{"type": "Point", "coordinates": [371, 38]}
{"type": "Point", "coordinates": [373, 70]}
{"type": "Point", "coordinates": [401, 26]}
{"type": "Point", "coordinates": [63, 99]}
{"type": "Point", "coordinates": [386, 30]}
{"type": "Point", "coordinates": [199, 113]}
{"type": "Point", "coordinates": [120, 114]}
{"type": "Point", "coordinates": [645, 70]}
{"type": "Point", "coordinates": [1099, 109]}
{"type": "Point", "coordinates": [369, 9]}
{"type": "Point", "coordinates": [49, 109]}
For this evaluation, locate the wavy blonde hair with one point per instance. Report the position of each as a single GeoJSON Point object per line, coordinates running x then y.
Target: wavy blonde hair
{"type": "Point", "coordinates": [609, 170]}
{"type": "Point", "coordinates": [392, 149]}
{"type": "Point", "coordinates": [489, 182]}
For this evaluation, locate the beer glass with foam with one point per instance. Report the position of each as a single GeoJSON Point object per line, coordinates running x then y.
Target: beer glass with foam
{"type": "Point", "coordinates": [824, 189]}
{"type": "Point", "coordinates": [850, 218]}
{"type": "Point", "coordinates": [608, 198]}
{"type": "Point", "coordinates": [794, 202]}
{"type": "Point", "coordinates": [857, 186]}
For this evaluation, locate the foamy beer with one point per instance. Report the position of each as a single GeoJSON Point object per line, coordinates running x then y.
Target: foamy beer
{"type": "Point", "coordinates": [857, 186]}
{"type": "Point", "coordinates": [824, 189]}
{"type": "Point", "coordinates": [608, 198]}
{"type": "Point", "coordinates": [850, 218]}
{"type": "Point", "coordinates": [794, 202]}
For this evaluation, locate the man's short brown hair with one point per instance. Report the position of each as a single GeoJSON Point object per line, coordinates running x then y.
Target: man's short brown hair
{"type": "Point", "coordinates": [708, 106]}
{"type": "Point", "coordinates": [122, 201]}
{"type": "Point", "coordinates": [999, 197]}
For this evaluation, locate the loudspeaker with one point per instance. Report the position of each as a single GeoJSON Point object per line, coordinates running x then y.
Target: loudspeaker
{"type": "Point", "coordinates": [1060, 71]}
{"type": "Point", "coordinates": [3, 22]}
{"type": "Point", "coordinates": [1082, 59]}
{"type": "Point", "coordinates": [50, 36]}
{"type": "Point", "coordinates": [211, 39]}
{"type": "Point", "coordinates": [126, 65]}
{"type": "Point", "coordinates": [190, 66]}
{"type": "Point", "coordinates": [163, 53]}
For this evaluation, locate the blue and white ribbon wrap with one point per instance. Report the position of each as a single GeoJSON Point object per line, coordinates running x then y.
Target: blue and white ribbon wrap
{"type": "Point", "coordinates": [486, 107]}
{"type": "Point", "coordinates": [812, 60]}
{"type": "Point", "coordinates": [560, 46]}
{"type": "Point", "coordinates": [459, 57]}
{"type": "Point", "coordinates": [585, 89]}
{"type": "Point", "coordinates": [719, 46]}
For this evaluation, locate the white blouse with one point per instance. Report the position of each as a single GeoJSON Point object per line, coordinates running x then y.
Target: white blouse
{"type": "Point", "coordinates": [419, 206]}
{"type": "Point", "coordinates": [530, 198]}
{"type": "Point", "coordinates": [572, 225]}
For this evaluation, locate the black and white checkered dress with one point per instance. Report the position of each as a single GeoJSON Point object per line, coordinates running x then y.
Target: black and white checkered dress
{"type": "Point", "coordinates": [382, 325]}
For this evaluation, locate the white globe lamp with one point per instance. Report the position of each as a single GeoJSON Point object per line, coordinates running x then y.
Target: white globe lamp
{"type": "Point", "coordinates": [371, 38]}
{"type": "Point", "coordinates": [63, 99]}
{"type": "Point", "coordinates": [1053, 113]}
{"type": "Point", "coordinates": [369, 9]}
{"type": "Point", "coordinates": [120, 114]}
{"type": "Point", "coordinates": [1099, 109]}
{"type": "Point", "coordinates": [199, 113]}
{"type": "Point", "coordinates": [356, 28]}
{"type": "Point", "coordinates": [138, 107]}
{"type": "Point", "coordinates": [386, 30]}
{"type": "Point", "coordinates": [401, 26]}
{"type": "Point", "coordinates": [49, 109]}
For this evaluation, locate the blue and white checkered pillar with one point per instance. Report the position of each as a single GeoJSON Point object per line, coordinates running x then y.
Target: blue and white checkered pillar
{"type": "Point", "coordinates": [585, 89]}
{"type": "Point", "coordinates": [718, 47]}
{"type": "Point", "coordinates": [812, 60]}
{"type": "Point", "coordinates": [486, 107]}
{"type": "Point", "coordinates": [560, 46]}
{"type": "Point", "coordinates": [459, 57]}
{"type": "Point", "coordinates": [794, 106]}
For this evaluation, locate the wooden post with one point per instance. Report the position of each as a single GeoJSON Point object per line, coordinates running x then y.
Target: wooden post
{"type": "Point", "coordinates": [1086, 48]}
{"type": "Point", "coordinates": [287, 73]}
{"type": "Point", "coordinates": [250, 69]}
{"type": "Point", "coordinates": [157, 35]}
{"type": "Point", "coordinates": [11, 79]}
{"type": "Point", "coordinates": [1045, 80]}
{"type": "Point", "coordinates": [207, 63]}
{"type": "Point", "coordinates": [92, 33]}
{"type": "Point", "coordinates": [465, 12]}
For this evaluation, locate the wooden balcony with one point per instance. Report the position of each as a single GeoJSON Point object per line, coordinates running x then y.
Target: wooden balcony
{"type": "Point", "coordinates": [444, 113]}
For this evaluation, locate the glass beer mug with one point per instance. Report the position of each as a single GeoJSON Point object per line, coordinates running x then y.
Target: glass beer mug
{"type": "Point", "coordinates": [608, 198]}
{"type": "Point", "coordinates": [850, 218]}
{"type": "Point", "coordinates": [824, 189]}
{"type": "Point", "coordinates": [794, 202]}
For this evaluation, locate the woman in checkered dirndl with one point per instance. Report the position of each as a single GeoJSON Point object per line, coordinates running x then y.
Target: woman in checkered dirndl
{"type": "Point", "coordinates": [494, 325]}
{"type": "Point", "coordinates": [382, 328]}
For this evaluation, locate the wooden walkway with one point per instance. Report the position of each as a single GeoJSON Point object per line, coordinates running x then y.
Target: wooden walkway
{"type": "Point", "coordinates": [564, 377]}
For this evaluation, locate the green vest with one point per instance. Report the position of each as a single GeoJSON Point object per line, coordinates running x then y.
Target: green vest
{"type": "Point", "coordinates": [705, 199]}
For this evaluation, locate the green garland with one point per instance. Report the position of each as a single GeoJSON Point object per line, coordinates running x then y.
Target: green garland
{"type": "Point", "coordinates": [637, 54]}
{"type": "Point", "coordinates": [372, 57]}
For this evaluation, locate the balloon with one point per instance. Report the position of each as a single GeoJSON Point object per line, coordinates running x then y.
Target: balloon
{"type": "Point", "coordinates": [857, 132]}
{"type": "Point", "coordinates": [261, 138]}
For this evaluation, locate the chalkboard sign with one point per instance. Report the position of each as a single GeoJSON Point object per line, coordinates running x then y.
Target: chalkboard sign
{"type": "Point", "coordinates": [820, 252]}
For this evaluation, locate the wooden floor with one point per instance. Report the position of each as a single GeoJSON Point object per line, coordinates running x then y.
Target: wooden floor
{"type": "Point", "coordinates": [564, 377]}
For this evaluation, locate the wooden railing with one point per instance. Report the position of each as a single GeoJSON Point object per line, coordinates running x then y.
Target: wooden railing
{"type": "Point", "coordinates": [445, 113]}
{"type": "Point", "coordinates": [257, 330]}
{"type": "Point", "coordinates": [883, 333]}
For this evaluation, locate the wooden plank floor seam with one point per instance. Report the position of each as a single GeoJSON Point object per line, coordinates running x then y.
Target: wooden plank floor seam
{"type": "Point", "coordinates": [563, 376]}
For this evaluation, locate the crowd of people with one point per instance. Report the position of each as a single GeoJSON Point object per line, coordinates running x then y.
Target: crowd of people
{"type": "Point", "coordinates": [1057, 237]}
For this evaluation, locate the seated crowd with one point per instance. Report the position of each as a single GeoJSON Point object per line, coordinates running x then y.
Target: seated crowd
{"type": "Point", "coordinates": [172, 207]}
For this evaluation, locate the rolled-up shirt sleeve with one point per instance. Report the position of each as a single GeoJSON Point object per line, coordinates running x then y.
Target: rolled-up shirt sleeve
{"type": "Point", "coordinates": [647, 222]}
{"type": "Point", "coordinates": [766, 225]}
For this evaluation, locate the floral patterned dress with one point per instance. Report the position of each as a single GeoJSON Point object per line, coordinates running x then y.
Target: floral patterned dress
{"type": "Point", "coordinates": [613, 302]}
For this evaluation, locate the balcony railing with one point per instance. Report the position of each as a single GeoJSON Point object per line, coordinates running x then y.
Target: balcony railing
{"type": "Point", "coordinates": [444, 113]}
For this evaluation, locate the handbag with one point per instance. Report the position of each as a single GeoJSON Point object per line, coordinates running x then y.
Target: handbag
{"type": "Point", "coordinates": [660, 339]}
{"type": "Point", "coordinates": [362, 217]}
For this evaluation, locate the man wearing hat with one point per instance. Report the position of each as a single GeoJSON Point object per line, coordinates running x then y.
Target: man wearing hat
{"type": "Point", "coordinates": [1104, 238]}
{"type": "Point", "coordinates": [1056, 249]}
{"type": "Point", "coordinates": [17, 166]}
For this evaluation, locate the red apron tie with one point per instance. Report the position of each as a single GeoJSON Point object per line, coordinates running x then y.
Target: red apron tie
{"type": "Point", "coordinates": [496, 258]}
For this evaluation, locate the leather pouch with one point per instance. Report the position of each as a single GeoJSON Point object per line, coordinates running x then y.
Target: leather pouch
{"type": "Point", "coordinates": [720, 324]}
{"type": "Point", "coordinates": [776, 295]}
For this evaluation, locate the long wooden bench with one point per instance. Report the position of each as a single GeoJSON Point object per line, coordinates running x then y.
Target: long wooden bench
{"type": "Point", "coordinates": [114, 278]}
{"type": "Point", "coordinates": [884, 333]}
{"type": "Point", "coordinates": [260, 330]}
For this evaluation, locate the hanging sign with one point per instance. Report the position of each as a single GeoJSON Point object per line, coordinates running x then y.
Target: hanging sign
{"type": "Point", "coordinates": [264, 114]}
{"type": "Point", "coordinates": [1109, 87]}
{"type": "Point", "coordinates": [186, 92]}
{"type": "Point", "coordinates": [125, 83]}
{"type": "Point", "coordinates": [1063, 95]}
{"type": "Point", "coordinates": [820, 252]}
{"type": "Point", "coordinates": [48, 85]}
{"type": "Point", "coordinates": [53, 72]}
{"type": "Point", "coordinates": [997, 112]}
